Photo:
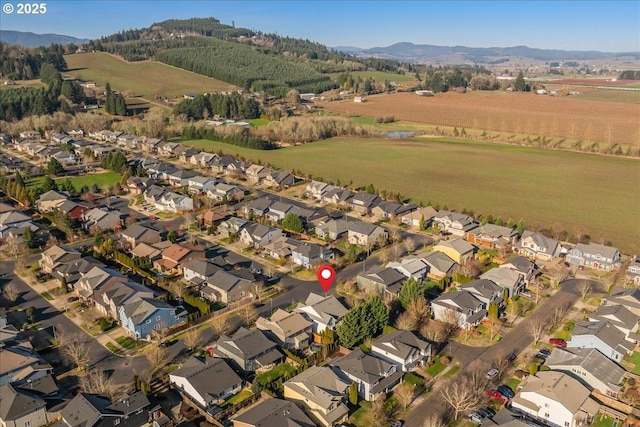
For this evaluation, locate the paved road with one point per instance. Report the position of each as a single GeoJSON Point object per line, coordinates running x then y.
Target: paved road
{"type": "Point", "coordinates": [516, 340]}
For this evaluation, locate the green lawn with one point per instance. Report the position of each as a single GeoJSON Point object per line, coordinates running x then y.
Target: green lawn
{"type": "Point", "coordinates": [436, 368]}
{"type": "Point", "coordinates": [113, 348]}
{"type": "Point", "coordinates": [258, 122]}
{"type": "Point", "coordinates": [129, 343]}
{"type": "Point", "coordinates": [46, 296]}
{"type": "Point", "coordinates": [145, 79]}
{"type": "Point", "coordinates": [356, 417]}
{"type": "Point", "coordinates": [603, 421]}
{"type": "Point", "coordinates": [548, 188]}
{"type": "Point", "coordinates": [451, 372]}
{"type": "Point", "coordinates": [379, 76]}
{"type": "Point", "coordinates": [635, 359]}
{"type": "Point", "coordinates": [513, 384]}
{"type": "Point", "coordinates": [275, 373]}
{"type": "Point", "coordinates": [413, 379]}
{"type": "Point", "coordinates": [101, 179]}
{"type": "Point", "coordinates": [244, 394]}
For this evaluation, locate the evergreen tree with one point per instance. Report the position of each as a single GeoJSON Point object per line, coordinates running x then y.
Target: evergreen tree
{"type": "Point", "coordinates": [423, 223]}
{"type": "Point", "coordinates": [411, 290]}
{"type": "Point", "coordinates": [353, 394]}
{"type": "Point", "coordinates": [520, 226]}
{"type": "Point", "coordinates": [29, 238]}
{"type": "Point", "coordinates": [519, 83]}
{"type": "Point", "coordinates": [292, 222]}
{"type": "Point", "coordinates": [49, 184]}
{"type": "Point", "coordinates": [54, 167]}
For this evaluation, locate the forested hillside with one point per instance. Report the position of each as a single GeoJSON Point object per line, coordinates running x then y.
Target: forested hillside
{"type": "Point", "coordinates": [18, 63]}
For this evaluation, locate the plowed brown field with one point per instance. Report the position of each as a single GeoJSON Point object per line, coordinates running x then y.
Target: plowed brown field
{"type": "Point", "coordinates": [520, 113]}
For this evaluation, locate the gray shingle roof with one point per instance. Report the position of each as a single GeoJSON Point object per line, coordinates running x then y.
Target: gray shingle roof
{"type": "Point", "coordinates": [15, 403]}
{"type": "Point", "coordinates": [275, 413]}
{"type": "Point", "coordinates": [210, 378]}
{"type": "Point", "coordinates": [245, 343]}
{"type": "Point", "coordinates": [591, 360]}
{"type": "Point", "coordinates": [365, 367]}
{"type": "Point", "coordinates": [400, 343]}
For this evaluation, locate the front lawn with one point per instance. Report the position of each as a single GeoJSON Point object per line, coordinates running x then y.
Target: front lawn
{"type": "Point", "coordinates": [46, 296]}
{"type": "Point", "coordinates": [435, 369]}
{"type": "Point", "coordinates": [413, 379]}
{"type": "Point", "coordinates": [513, 384]}
{"type": "Point", "coordinates": [129, 343]}
{"type": "Point", "coordinates": [451, 372]}
{"type": "Point", "coordinates": [635, 359]}
{"type": "Point", "coordinates": [356, 417]}
{"type": "Point", "coordinates": [603, 421]}
{"type": "Point", "coordinates": [275, 373]}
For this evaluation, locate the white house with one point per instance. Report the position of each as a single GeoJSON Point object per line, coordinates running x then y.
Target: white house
{"type": "Point", "coordinates": [402, 348]}
{"type": "Point", "coordinates": [324, 312]}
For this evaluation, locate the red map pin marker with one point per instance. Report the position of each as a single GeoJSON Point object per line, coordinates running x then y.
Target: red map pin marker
{"type": "Point", "coordinates": [326, 276]}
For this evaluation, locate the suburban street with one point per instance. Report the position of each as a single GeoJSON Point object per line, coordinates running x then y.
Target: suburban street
{"type": "Point", "coordinates": [515, 340]}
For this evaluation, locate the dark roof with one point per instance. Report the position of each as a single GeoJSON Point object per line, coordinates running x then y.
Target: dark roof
{"type": "Point", "coordinates": [85, 410]}
{"type": "Point", "coordinates": [225, 280]}
{"type": "Point", "coordinates": [245, 343]}
{"type": "Point", "coordinates": [275, 413]}
{"type": "Point", "coordinates": [202, 267]}
{"type": "Point", "coordinates": [200, 375]}
{"type": "Point", "coordinates": [15, 403]}
{"type": "Point", "coordinates": [365, 367]}
{"type": "Point", "coordinates": [43, 386]}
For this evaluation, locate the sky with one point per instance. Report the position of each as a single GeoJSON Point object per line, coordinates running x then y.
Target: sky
{"type": "Point", "coordinates": [611, 26]}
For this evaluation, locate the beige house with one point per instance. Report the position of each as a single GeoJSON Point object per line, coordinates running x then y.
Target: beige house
{"type": "Point", "coordinates": [290, 330]}
{"type": "Point", "coordinates": [321, 394]}
{"type": "Point", "coordinates": [55, 256]}
{"type": "Point", "coordinates": [457, 249]}
{"type": "Point", "coordinates": [51, 200]}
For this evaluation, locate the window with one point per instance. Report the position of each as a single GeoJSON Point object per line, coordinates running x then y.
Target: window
{"type": "Point", "coordinates": [148, 321]}
{"type": "Point", "coordinates": [546, 415]}
{"type": "Point", "coordinates": [27, 424]}
{"type": "Point", "coordinates": [157, 318]}
{"type": "Point", "coordinates": [566, 424]}
{"type": "Point", "coordinates": [546, 405]}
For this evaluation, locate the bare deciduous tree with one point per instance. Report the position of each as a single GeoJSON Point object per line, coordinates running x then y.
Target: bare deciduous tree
{"type": "Point", "coordinates": [220, 325]}
{"type": "Point", "coordinates": [405, 322]}
{"type": "Point", "coordinates": [584, 289]}
{"type": "Point", "coordinates": [451, 320]}
{"type": "Point", "coordinates": [409, 245]}
{"type": "Point", "coordinates": [376, 416]}
{"type": "Point", "coordinates": [536, 329]}
{"type": "Point", "coordinates": [248, 314]}
{"type": "Point", "coordinates": [559, 313]}
{"type": "Point", "coordinates": [76, 351]}
{"type": "Point", "coordinates": [158, 356]}
{"type": "Point", "coordinates": [97, 383]}
{"type": "Point", "coordinates": [460, 396]}
{"type": "Point", "coordinates": [405, 393]}
{"type": "Point", "coordinates": [258, 289]}
{"type": "Point", "coordinates": [433, 421]}
{"type": "Point", "coordinates": [471, 268]}
{"type": "Point", "coordinates": [419, 311]}
{"type": "Point", "coordinates": [433, 331]}
{"type": "Point", "coordinates": [192, 338]}
{"type": "Point", "coordinates": [558, 274]}
{"type": "Point", "coordinates": [11, 292]}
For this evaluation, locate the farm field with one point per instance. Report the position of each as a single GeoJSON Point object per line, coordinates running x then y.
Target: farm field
{"type": "Point", "coordinates": [577, 192]}
{"type": "Point", "coordinates": [101, 179]}
{"type": "Point", "coordinates": [523, 113]}
{"type": "Point", "coordinates": [146, 79]}
{"type": "Point", "coordinates": [379, 76]}
{"type": "Point", "coordinates": [630, 97]}
{"type": "Point", "coordinates": [23, 83]}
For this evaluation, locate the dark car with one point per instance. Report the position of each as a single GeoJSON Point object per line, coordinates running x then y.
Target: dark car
{"type": "Point", "coordinates": [485, 412]}
{"type": "Point", "coordinates": [541, 356]}
{"type": "Point", "coordinates": [510, 357]}
{"type": "Point", "coordinates": [506, 391]}
{"type": "Point", "coordinates": [545, 351]}
{"type": "Point", "coordinates": [558, 342]}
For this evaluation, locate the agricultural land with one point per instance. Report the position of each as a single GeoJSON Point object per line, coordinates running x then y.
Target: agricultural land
{"type": "Point", "coordinates": [577, 192]}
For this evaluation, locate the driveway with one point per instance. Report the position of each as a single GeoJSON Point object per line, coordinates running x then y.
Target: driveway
{"type": "Point", "coordinates": [516, 340]}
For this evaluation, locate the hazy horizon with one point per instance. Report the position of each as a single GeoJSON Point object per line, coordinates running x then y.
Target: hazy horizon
{"type": "Point", "coordinates": [572, 25]}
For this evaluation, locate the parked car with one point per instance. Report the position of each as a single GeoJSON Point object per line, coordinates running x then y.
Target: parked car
{"type": "Point", "coordinates": [476, 417]}
{"type": "Point", "coordinates": [486, 412]}
{"type": "Point", "coordinates": [558, 342]}
{"type": "Point", "coordinates": [506, 391]}
{"type": "Point", "coordinates": [396, 424]}
{"type": "Point", "coordinates": [545, 351]}
{"type": "Point", "coordinates": [510, 357]}
{"type": "Point", "coordinates": [541, 356]}
{"type": "Point", "coordinates": [492, 374]}
{"type": "Point", "coordinates": [496, 395]}
{"type": "Point", "coordinates": [525, 294]}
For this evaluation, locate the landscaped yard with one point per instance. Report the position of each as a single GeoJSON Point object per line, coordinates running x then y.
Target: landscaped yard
{"type": "Point", "coordinates": [436, 368]}
{"type": "Point", "coordinates": [129, 343]}
{"type": "Point", "coordinates": [513, 384]}
{"type": "Point", "coordinates": [451, 372]}
{"type": "Point", "coordinates": [603, 421]}
{"type": "Point", "coordinates": [275, 373]}
{"type": "Point", "coordinates": [570, 183]}
{"type": "Point", "coordinates": [356, 417]}
{"type": "Point", "coordinates": [244, 394]}
{"type": "Point", "coordinates": [635, 359]}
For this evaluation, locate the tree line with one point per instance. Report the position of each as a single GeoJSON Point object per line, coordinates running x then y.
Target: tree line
{"type": "Point", "coordinates": [18, 63]}
{"type": "Point", "coordinates": [234, 106]}
{"type": "Point", "coordinates": [241, 139]}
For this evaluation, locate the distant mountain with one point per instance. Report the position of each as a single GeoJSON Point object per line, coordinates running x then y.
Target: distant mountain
{"type": "Point", "coordinates": [28, 39]}
{"type": "Point", "coordinates": [424, 52]}
{"type": "Point", "coordinates": [348, 49]}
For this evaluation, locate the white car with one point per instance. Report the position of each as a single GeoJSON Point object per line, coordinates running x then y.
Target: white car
{"type": "Point", "coordinates": [492, 374]}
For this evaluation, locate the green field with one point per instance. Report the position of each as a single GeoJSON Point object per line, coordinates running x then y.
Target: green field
{"type": "Point", "coordinates": [630, 97]}
{"type": "Point", "coordinates": [378, 76]}
{"type": "Point", "coordinates": [24, 83]}
{"type": "Point", "coordinates": [101, 179]}
{"type": "Point", "coordinates": [145, 79]}
{"type": "Point", "coordinates": [577, 192]}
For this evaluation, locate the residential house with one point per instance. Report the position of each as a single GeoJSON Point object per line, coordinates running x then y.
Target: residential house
{"type": "Point", "coordinates": [387, 210]}
{"type": "Point", "coordinates": [312, 217]}
{"type": "Point", "coordinates": [207, 383]}
{"type": "Point", "coordinates": [323, 311]}
{"type": "Point", "coordinates": [439, 265]}
{"type": "Point", "coordinates": [272, 412]}
{"type": "Point", "coordinates": [159, 170]}
{"type": "Point", "coordinates": [150, 145]}
{"type": "Point", "coordinates": [484, 290]}
{"type": "Point", "coordinates": [414, 268]}
{"type": "Point", "coordinates": [381, 280]}
{"type": "Point", "coordinates": [365, 235]}
{"type": "Point", "coordinates": [21, 363]}
{"type": "Point", "coordinates": [538, 246]}
{"type": "Point", "coordinates": [51, 200]}
{"type": "Point", "coordinates": [128, 141]}
{"type": "Point", "coordinates": [556, 399]}
{"type": "Point", "coordinates": [233, 226]}
{"type": "Point", "coordinates": [602, 336]}
{"type": "Point", "coordinates": [256, 173]}
{"type": "Point", "coordinates": [237, 168]}
{"type": "Point", "coordinates": [73, 210]}
{"type": "Point", "coordinates": [340, 197]}
{"type": "Point", "coordinates": [21, 408]}
{"type": "Point", "coordinates": [201, 184]}
{"type": "Point", "coordinates": [372, 376]}
{"type": "Point", "coordinates": [174, 202]}
{"type": "Point", "coordinates": [403, 349]}
{"type": "Point", "coordinates": [140, 318]}
{"type": "Point", "coordinates": [594, 255]}
{"type": "Point", "coordinates": [492, 236]}
{"type": "Point", "coordinates": [202, 159]}
{"type": "Point", "coordinates": [100, 219]}
{"type": "Point", "coordinates": [279, 179]}
{"type": "Point", "coordinates": [414, 218]}
{"type": "Point", "coordinates": [363, 203]}
{"type": "Point", "coordinates": [332, 230]}
{"type": "Point", "coordinates": [320, 393]}
{"type": "Point", "coordinates": [281, 248]}
{"type": "Point", "coordinates": [222, 191]}
{"type": "Point", "coordinates": [56, 255]}
{"type": "Point", "coordinates": [226, 287]}
{"type": "Point", "coordinates": [462, 308]}
{"type": "Point", "coordinates": [181, 177]}
{"type": "Point", "coordinates": [629, 297]}
{"type": "Point", "coordinates": [457, 249]}
{"type": "Point", "coordinates": [153, 194]}
{"type": "Point", "coordinates": [278, 210]}
{"type": "Point", "coordinates": [620, 317]}
{"type": "Point", "coordinates": [96, 410]}
{"type": "Point", "coordinates": [316, 189]}
{"type": "Point", "coordinates": [110, 296]}
{"type": "Point", "coordinates": [249, 350]}
{"type": "Point", "coordinates": [174, 258]}
{"type": "Point", "coordinates": [257, 207]}
{"type": "Point", "coordinates": [153, 252]}
{"type": "Point", "coordinates": [290, 330]}
{"type": "Point", "coordinates": [633, 272]}
{"type": "Point", "coordinates": [590, 367]}
{"type": "Point", "coordinates": [186, 154]}
{"type": "Point", "coordinates": [310, 254]}
{"type": "Point", "coordinates": [454, 223]}
{"type": "Point", "coordinates": [73, 270]}
{"type": "Point", "coordinates": [524, 267]}
{"type": "Point", "coordinates": [211, 217]}
{"type": "Point", "coordinates": [199, 271]}
{"type": "Point", "coordinates": [220, 163]}
{"type": "Point", "coordinates": [14, 221]}
{"type": "Point", "coordinates": [139, 232]}
{"type": "Point", "coordinates": [506, 278]}
{"type": "Point", "coordinates": [258, 235]}
{"type": "Point", "coordinates": [94, 278]}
